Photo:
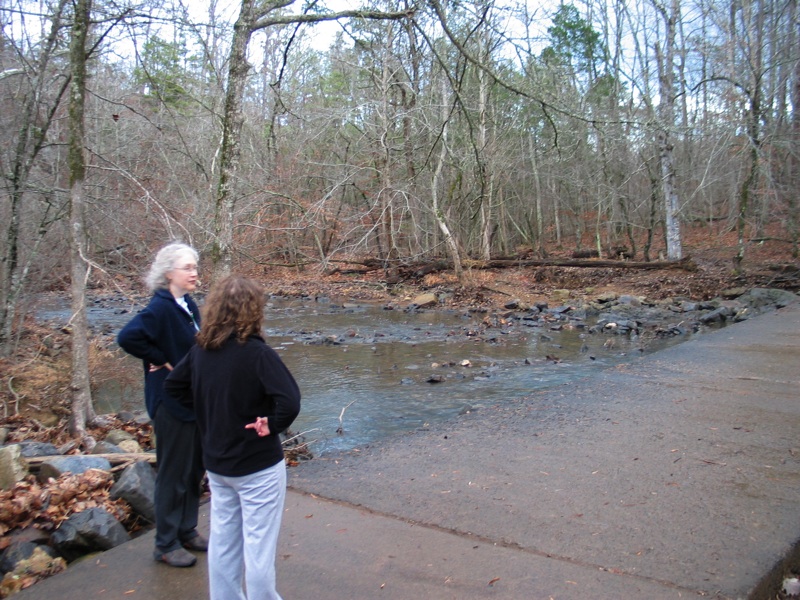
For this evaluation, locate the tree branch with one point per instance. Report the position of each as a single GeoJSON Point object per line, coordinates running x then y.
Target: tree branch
{"type": "Point", "coordinates": [374, 15]}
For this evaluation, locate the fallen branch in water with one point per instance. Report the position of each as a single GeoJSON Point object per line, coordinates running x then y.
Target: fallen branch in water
{"type": "Point", "coordinates": [340, 429]}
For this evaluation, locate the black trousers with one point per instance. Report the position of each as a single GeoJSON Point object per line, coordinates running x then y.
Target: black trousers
{"type": "Point", "coordinates": [180, 473]}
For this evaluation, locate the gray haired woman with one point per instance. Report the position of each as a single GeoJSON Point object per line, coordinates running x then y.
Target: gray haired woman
{"type": "Point", "coordinates": [161, 335]}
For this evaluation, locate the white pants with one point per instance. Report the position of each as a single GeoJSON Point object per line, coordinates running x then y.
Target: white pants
{"type": "Point", "coordinates": [245, 520]}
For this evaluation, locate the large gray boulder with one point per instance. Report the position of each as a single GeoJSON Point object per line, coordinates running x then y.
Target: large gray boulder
{"type": "Point", "coordinates": [34, 449]}
{"type": "Point", "coordinates": [760, 298]}
{"type": "Point", "coordinates": [137, 485]}
{"type": "Point", "coordinates": [91, 530]}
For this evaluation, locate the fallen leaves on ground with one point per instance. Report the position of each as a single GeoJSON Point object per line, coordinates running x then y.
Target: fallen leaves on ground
{"type": "Point", "coordinates": [46, 505]}
{"type": "Point", "coordinates": [39, 566]}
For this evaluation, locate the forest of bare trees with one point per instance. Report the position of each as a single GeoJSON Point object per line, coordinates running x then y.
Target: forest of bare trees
{"type": "Point", "coordinates": [274, 131]}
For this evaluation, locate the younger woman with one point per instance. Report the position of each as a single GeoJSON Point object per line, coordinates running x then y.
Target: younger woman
{"type": "Point", "coordinates": [244, 396]}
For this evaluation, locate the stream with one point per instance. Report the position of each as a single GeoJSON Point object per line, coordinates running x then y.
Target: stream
{"type": "Point", "coordinates": [372, 372]}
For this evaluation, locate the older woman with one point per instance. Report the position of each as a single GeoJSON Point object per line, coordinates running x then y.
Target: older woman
{"type": "Point", "coordinates": [161, 335]}
{"type": "Point", "coordinates": [244, 397]}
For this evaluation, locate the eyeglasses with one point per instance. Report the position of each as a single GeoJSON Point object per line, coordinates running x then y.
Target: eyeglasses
{"type": "Point", "coordinates": [187, 269]}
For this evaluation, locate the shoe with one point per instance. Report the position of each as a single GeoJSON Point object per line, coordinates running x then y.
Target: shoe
{"type": "Point", "coordinates": [198, 543]}
{"type": "Point", "coordinates": [176, 558]}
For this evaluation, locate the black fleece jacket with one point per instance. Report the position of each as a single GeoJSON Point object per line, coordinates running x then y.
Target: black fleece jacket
{"type": "Point", "coordinates": [228, 388]}
{"type": "Point", "coordinates": [161, 333]}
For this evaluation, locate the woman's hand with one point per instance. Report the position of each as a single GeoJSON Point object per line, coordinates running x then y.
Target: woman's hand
{"type": "Point", "coordinates": [261, 426]}
{"type": "Point", "coordinates": [154, 368]}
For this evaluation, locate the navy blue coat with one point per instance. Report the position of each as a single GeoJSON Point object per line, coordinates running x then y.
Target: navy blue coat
{"type": "Point", "coordinates": [163, 332]}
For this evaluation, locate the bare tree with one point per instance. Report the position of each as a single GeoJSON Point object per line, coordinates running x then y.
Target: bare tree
{"type": "Point", "coordinates": [31, 125]}
{"type": "Point", "coordinates": [666, 76]}
{"type": "Point", "coordinates": [82, 407]}
{"type": "Point", "coordinates": [253, 17]}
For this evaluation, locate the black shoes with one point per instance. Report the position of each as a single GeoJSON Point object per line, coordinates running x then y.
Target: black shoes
{"type": "Point", "coordinates": [180, 557]}
{"type": "Point", "coordinates": [176, 558]}
{"type": "Point", "coordinates": [198, 543]}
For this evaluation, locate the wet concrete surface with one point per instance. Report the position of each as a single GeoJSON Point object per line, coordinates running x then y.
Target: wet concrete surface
{"type": "Point", "coordinates": [675, 476]}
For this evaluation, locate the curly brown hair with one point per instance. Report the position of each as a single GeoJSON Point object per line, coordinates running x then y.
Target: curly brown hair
{"type": "Point", "coordinates": [234, 306]}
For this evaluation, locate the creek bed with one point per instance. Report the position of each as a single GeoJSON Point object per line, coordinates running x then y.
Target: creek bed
{"type": "Point", "coordinates": [366, 372]}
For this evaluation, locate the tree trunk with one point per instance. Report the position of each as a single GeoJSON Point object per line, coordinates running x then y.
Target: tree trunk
{"type": "Point", "coordinates": [665, 146]}
{"type": "Point", "coordinates": [794, 149]}
{"type": "Point", "coordinates": [230, 152]}
{"type": "Point", "coordinates": [487, 192]}
{"type": "Point", "coordinates": [30, 139]}
{"type": "Point", "coordinates": [449, 240]}
{"type": "Point", "coordinates": [753, 124]}
{"type": "Point", "coordinates": [82, 409]}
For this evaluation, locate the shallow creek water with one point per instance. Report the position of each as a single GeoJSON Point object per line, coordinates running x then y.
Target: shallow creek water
{"type": "Point", "coordinates": [368, 370]}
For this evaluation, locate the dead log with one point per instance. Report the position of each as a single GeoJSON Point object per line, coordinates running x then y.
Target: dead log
{"type": "Point", "coordinates": [118, 458]}
{"type": "Point", "coordinates": [686, 264]}
{"type": "Point", "coordinates": [417, 270]}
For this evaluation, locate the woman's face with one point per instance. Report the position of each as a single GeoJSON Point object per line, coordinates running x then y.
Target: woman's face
{"type": "Point", "coordinates": [183, 276]}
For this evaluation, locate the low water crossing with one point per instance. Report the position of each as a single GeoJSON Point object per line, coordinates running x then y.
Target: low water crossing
{"type": "Point", "coordinates": [366, 372]}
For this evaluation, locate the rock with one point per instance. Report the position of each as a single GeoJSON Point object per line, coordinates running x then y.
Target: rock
{"type": "Point", "coordinates": [717, 315]}
{"type": "Point", "coordinates": [3, 435]}
{"type": "Point", "coordinates": [19, 551]}
{"type": "Point", "coordinates": [560, 295]}
{"type": "Point", "coordinates": [92, 530]}
{"type": "Point", "coordinates": [732, 293]}
{"type": "Point", "coordinates": [560, 310]}
{"type": "Point", "coordinates": [58, 465]}
{"type": "Point", "coordinates": [28, 534]}
{"type": "Point", "coordinates": [629, 300]}
{"type": "Point", "coordinates": [13, 466]}
{"type": "Point", "coordinates": [607, 297]}
{"type": "Point", "coordinates": [106, 448]}
{"type": "Point", "coordinates": [34, 449]}
{"type": "Point", "coordinates": [130, 446]}
{"type": "Point", "coordinates": [791, 586]}
{"type": "Point", "coordinates": [141, 418]}
{"type": "Point", "coordinates": [38, 566]}
{"type": "Point", "coordinates": [759, 298]}
{"type": "Point", "coordinates": [126, 416]}
{"type": "Point", "coordinates": [137, 486]}
{"type": "Point", "coordinates": [425, 300]}
{"type": "Point", "coordinates": [512, 304]}
{"type": "Point", "coordinates": [115, 436]}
